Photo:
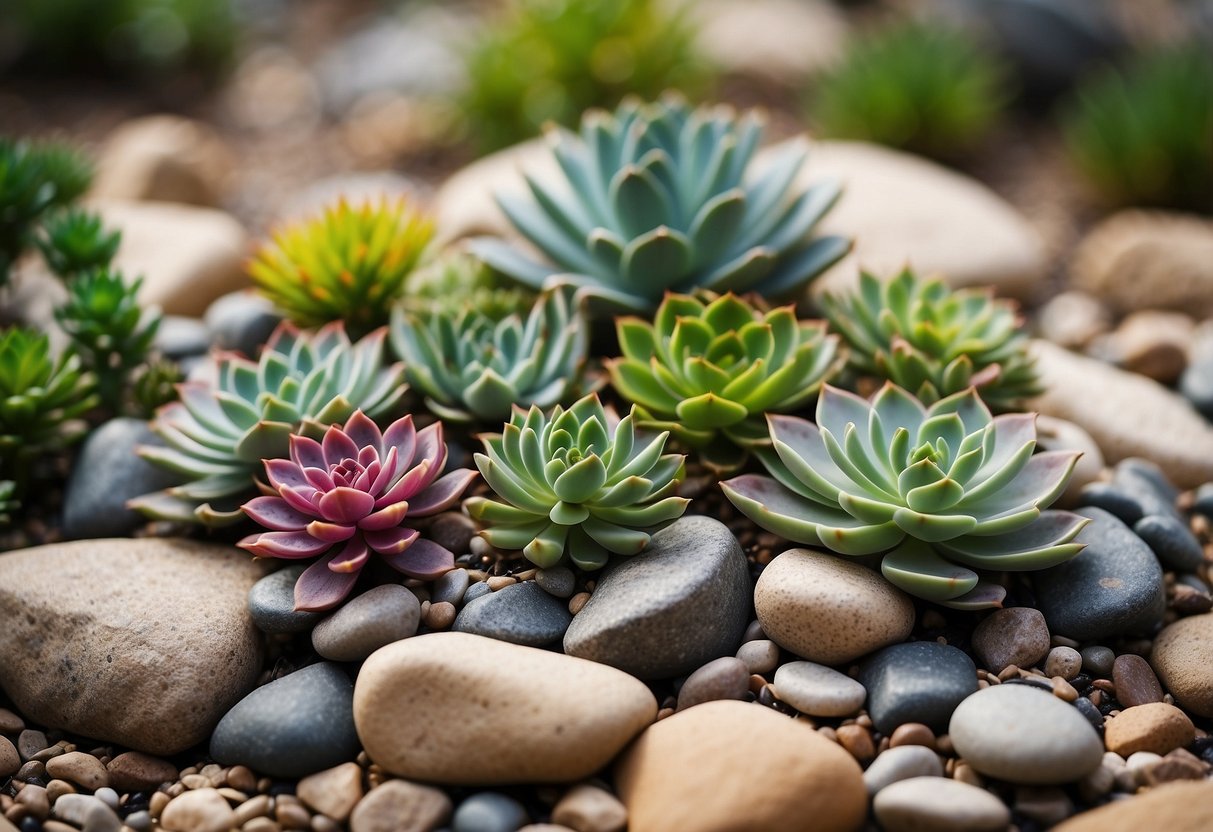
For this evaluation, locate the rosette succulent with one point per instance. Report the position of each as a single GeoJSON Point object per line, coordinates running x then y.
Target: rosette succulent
{"type": "Point", "coordinates": [75, 242]}
{"type": "Point", "coordinates": [934, 341]}
{"type": "Point", "coordinates": [941, 491]}
{"type": "Point", "coordinates": [456, 279]}
{"type": "Point", "coordinates": [578, 482]}
{"type": "Point", "coordinates": [709, 367]}
{"type": "Point", "coordinates": [349, 495]}
{"type": "Point", "coordinates": [347, 265]}
{"type": "Point", "coordinates": [472, 367]}
{"type": "Point", "coordinates": [219, 432]}
{"type": "Point", "coordinates": [661, 196]}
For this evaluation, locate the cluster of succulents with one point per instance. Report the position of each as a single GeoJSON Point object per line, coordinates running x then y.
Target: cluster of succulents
{"type": "Point", "coordinates": [217, 435]}
{"type": "Point", "coordinates": [1142, 134]}
{"type": "Point", "coordinates": [348, 495]}
{"type": "Point", "coordinates": [455, 280]}
{"type": "Point", "coordinates": [707, 370]}
{"type": "Point", "coordinates": [348, 264]}
{"type": "Point", "coordinates": [579, 482]}
{"type": "Point", "coordinates": [913, 85]}
{"type": "Point", "coordinates": [661, 197]}
{"type": "Point", "coordinates": [935, 341]}
{"type": "Point", "coordinates": [75, 242]}
{"type": "Point", "coordinates": [939, 492]}
{"type": "Point", "coordinates": [550, 61]}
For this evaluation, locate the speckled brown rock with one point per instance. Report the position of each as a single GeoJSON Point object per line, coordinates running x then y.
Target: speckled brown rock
{"type": "Point", "coordinates": [145, 643]}
{"type": "Point", "coordinates": [829, 609]}
{"type": "Point", "coordinates": [137, 772]}
{"type": "Point", "coordinates": [1156, 727]}
{"type": "Point", "coordinates": [1174, 807]}
{"type": "Point", "coordinates": [401, 806]}
{"type": "Point", "coordinates": [731, 766]}
{"type": "Point", "coordinates": [333, 792]}
{"type": "Point", "coordinates": [200, 810]}
{"type": "Point", "coordinates": [456, 708]}
{"type": "Point", "coordinates": [1016, 635]}
{"type": "Point", "coordinates": [1183, 659]}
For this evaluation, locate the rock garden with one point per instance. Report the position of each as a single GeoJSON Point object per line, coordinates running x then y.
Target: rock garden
{"type": "Point", "coordinates": [762, 415]}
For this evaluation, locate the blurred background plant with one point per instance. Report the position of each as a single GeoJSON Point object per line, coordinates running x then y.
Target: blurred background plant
{"type": "Point", "coordinates": [915, 85]}
{"type": "Point", "coordinates": [549, 60]}
{"type": "Point", "coordinates": [1143, 134]}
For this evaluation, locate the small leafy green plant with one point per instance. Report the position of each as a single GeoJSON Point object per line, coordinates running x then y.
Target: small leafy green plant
{"type": "Point", "coordinates": [708, 369]}
{"type": "Point", "coordinates": [579, 482]}
{"type": "Point", "coordinates": [75, 241]}
{"type": "Point", "coordinates": [940, 492]}
{"type": "Point", "coordinates": [1143, 135]}
{"type": "Point", "coordinates": [914, 86]}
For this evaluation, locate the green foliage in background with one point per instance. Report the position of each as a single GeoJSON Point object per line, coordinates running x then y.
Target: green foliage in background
{"type": "Point", "coordinates": [1144, 135]}
{"type": "Point", "coordinates": [913, 86]}
{"type": "Point", "coordinates": [549, 60]}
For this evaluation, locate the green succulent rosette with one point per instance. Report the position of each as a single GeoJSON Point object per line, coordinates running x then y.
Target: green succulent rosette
{"type": "Point", "coordinates": [663, 197]}
{"type": "Point", "coordinates": [576, 482]}
{"type": "Point", "coordinates": [708, 368]}
{"type": "Point", "coordinates": [941, 492]}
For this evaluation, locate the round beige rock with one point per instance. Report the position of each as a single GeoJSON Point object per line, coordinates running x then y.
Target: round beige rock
{"type": "Point", "coordinates": [1183, 659]}
{"type": "Point", "coordinates": [456, 708]}
{"type": "Point", "coordinates": [934, 804]}
{"type": "Point", "coordinates": [1174, 807]}
{"type": "Point", "coordinates": [828, 609]}
{"type": "Point", "coordinates": [818, 690]}
{"type": "Point", "coordinates": [587, 808]}
{"type": "Point", "coordinates": [401, 806]}
{"type": "Point", "coordinates": [1156, 727]}
{"type": "Point", "coordinates": [10, 761]}
{"type": "Point", "coordinates": [200, 810]}
{"type": "Point", "coordinates": [727, 766]}
{"type": "Point", "coordinates": [79, 768]}
{"type": "Point", "coordinates": [166, 158]}
{"type": "Point", "coordinates": [333, 792]}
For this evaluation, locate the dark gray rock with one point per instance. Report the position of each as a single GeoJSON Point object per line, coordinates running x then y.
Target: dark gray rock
{"type": "Point", "coordinates": [1172, 541]}
{"type": "Point", "coordinates": [180, 337]}
{"type": "Point", "coordinates": [450, 587]}
{"type": "Point", "coordinates": [1203, 501]}
{"type": "Point", "coordinates": [1091, 713]}
{"type": "Point", "coordinates": [490, 812]}
{"type": "Point", "coordinates": [920, 681]}
{"type": "Point", "coordinates": [723, 678]}
{"type": "Point", "coordinates": [452, 530]}
{"type": "Point", "coordinates": [107, 473]}
{"type": "Point", "coordinates": [559, 581]}
{"type": "Point", "coordinates": [1147, 484]}
{"type": "Point", "coordinates": [520, 613]}
{"type": "Point", "coordinates": [1112, 499]}
{"type": "Point", "coordinates": [1113, 587]}
{"type": "Point", "coordinates": [292, 727]}
{"type": "Point", "coordinates": [241, 321]}
{"type": "Point", "coordinates": [1196, 385]}
{"type": "Point", "coordinates": [476, 590]}
{"type": "Point", "coordinates": [680, 603]}
{"type": "Point", "coordinates": [363, 624]}
{"type": "Point", "coordinates": [1097, 660]}
{"type": "Point", "coordinates": [271, 602]}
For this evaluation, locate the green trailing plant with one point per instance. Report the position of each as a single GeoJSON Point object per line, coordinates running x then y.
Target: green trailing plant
{"type": "Point", "coordinates": [660, 197]}
{"type": "Point", "coordinates": [934, 341]}
{"type": "Point", "coordinates": [8, 501]}
{"type": "Point", "coordinates": [915, 86]}
{"type": "Point", "coordinates": [708, 368]}
{"type": "Point", "coordinates": [35, 178]}
{"type": "Point", "coordinates": [456, 279]}
{"type": "Point", "coordinates": [578, 482]}
{"type": "Point", "coordinates": [549, 60]}
{"type": "Point", "coordinates": [154, 385]}
{"type": "Point", "coordinates": [219, 432]}
{"type": "Point", "coordinates": [109, 330]}
{"type": "Point", "coordinates": [42, 400]}
{"type": "Point", "coordinates": [348, 264]}
{"type": "Point", "coordinates": [472, 366]}
{"type": "Point", "coordinates": [1143, 135]}
{"type": "Point", "coordinates": [942, 493]}
{"type": "Point", "coordinates": [75, 241]}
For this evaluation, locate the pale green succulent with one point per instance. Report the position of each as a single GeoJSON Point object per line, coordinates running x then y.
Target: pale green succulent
{"type": "Point", "coordinates": [940, 492]}
{"type": "Point", "coordinates": [661, 197]}
{"type": "Point", "coordinates": [473, 367]}
{"type": "Point", "coordinates": [456, 279]}
{"type": "Point", "coordinates": [708, 369]}
{"type": "Point", "coordinates": [579, 482]}
{"type": "Point", "coordinates": [217, 435]}
{"type": "Point", "coordinates": [931, 340]}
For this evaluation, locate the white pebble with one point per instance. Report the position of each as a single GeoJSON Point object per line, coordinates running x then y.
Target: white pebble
{"type": "Point", "coordinates": [901, 763]}
{"type": "Point", "coordinates": [940, 805]}
{"type": "Point", "coordinates": [817, 690]}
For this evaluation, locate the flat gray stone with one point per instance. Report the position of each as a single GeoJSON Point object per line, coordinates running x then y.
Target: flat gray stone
{"type": "Point", "coordinates": [680, 603]}
{"type": "Point", "coordinates": [362, 625]}
{"type": "Point", "coordinates": [520, 614]}
{"type": "Point", "coordinates": [271, 602]}
{"type": "Point", "coordinates": [920, 681]}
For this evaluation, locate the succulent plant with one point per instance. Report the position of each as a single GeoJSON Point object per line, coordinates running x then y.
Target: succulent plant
{"type": "Point", "coordinates": [934, 341]}
{"type": "Point", "coordinates": [217, 435]}
{"type": "Point", "coordinates": [455, 280]}
{"type": "Point", "coordinates": [915, 86]}
{"type": "Point", "coordinates": [547, 61]}
{"type": "Point", "coordinates": [939, 491]}
{"type": "Point", "coordinates": [473, 367]}
{"type": "Point", "coordinates": [8, 502]}
{"type": "Point", "coordinates": [656, 198]}
{"type": "Point", "coordinates": [42, 399]}
{"type": "Point", "coordinates": [109, 330]}
{"type": "Point", "coordinates": [1142, 135]}
{"type": "Point", "coordinates": [709, 367]}
{"type": "Point", "coordinates": [349, 495]}
{"type": "Point", "coordinates": [348, 264]}
{"type": "Point", "coordinates": [154, 385]}
{"type": "Point", "coordinates": [578, 481]}
{"type": "Point", "coordinates": [75, 242]}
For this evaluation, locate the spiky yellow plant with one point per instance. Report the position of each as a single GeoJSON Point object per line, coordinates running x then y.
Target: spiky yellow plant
{"type": "Point", "coordinates": [347, 264]}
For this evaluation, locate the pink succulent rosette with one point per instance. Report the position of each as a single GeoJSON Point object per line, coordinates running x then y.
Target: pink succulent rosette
{"type": "Point", "coordinates": [349, 495]}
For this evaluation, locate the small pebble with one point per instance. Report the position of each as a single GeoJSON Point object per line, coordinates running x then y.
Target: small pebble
{"type": "Point", "coordinates": [500, 582]}
{"type": "Point", "coordinates": [1047, 805]}
{"type": "Point", "coordinates": [10, 723]}
{"type": "Point", "coordinates": [557, 580]}
{"type": "Point", "coordinates": [450, 587]}
{"type": "Point", "coordinates": [901, 763]}
{"type": "Point", "coordinates": [476, 590]}
{"type": "Point", "coordinates": [587, 808]}
{"type": "Point", "coordinates": [1156, 727]}
{"type": "Point", "coordinates": [1135, 681]}
{"type": "Point", "coordinates": [912, 733]}
{"type": "Point", "coordinates": [1065, 662]}
{"type": "Point", "coordinates": [818, 690]}
{"type": "Point", "coordinates": [10, 758]}
{"type": "Point", "coordinates": [857, 741]}
{"type": "Point", "coordinates": [489, 812]}
{"type": "Point", "coordinates": [1098, 661]}
{"type": "Point", "coordinates": [939, 805]}
{"type": "Point", "coordinates": [1064, 690]}
{"type": "Point", "coordinates": [440, 615]}
{"type": "Point", "coordinates": [30, 742]}
{"type": "Point", "coordinates": [760, 655]}
{"type": "Point", "coordinates": [1011, 636]}
{"type": "Point", "coordinates": [578, 601]}
{"type": "Point", "coordinates": [723, 678]}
